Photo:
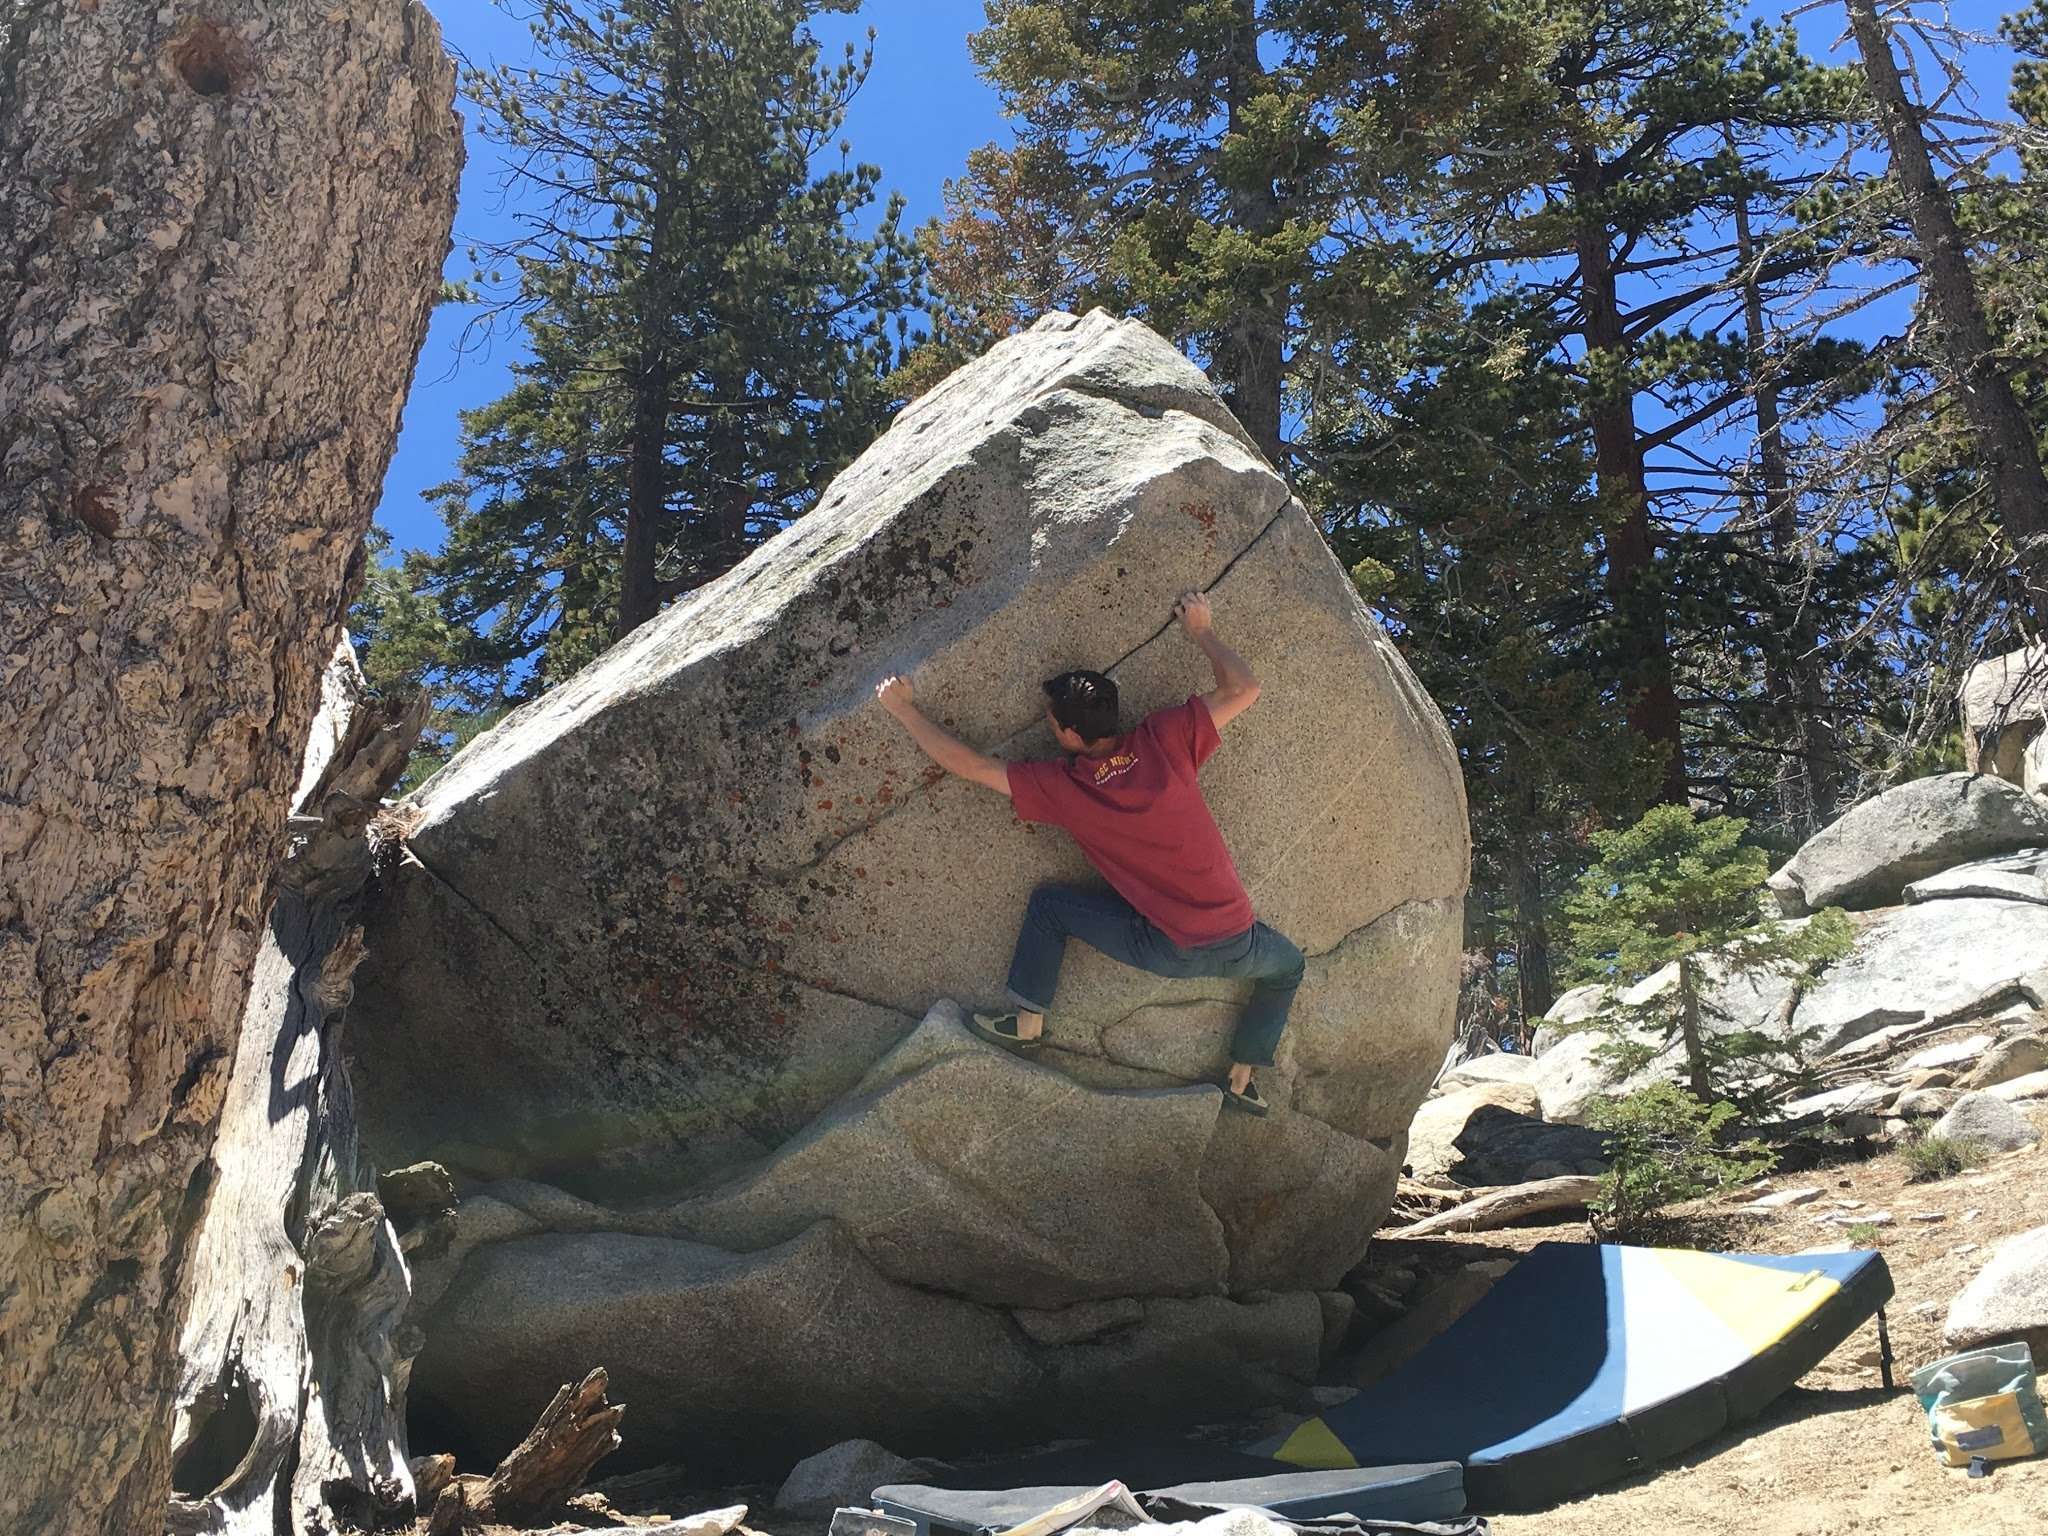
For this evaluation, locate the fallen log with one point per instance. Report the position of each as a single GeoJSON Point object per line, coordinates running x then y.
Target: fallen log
{"type": "Point", "coordinates": [576, 1431]}
{"type": "Point", "coordinates": [1502, 1207]}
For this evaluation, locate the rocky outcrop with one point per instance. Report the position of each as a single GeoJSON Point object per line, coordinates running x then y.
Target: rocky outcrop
{"type": "Point", "coordinates": [1987, 1122]}
{"type": "Point", "coordinates": [2018, 877]}
{"type": "Point", "coordinates": [1571, 1074]}
{"type": "Point", "coordinates": [2004, 702]}
{"type": "Point", "coordinates": [2007, 1300]}
{"type": "Point", "coordinates": [1906, 834]}
{"type": "Point", "coordinates": [1920, 964]}
{"type": "Point", "coordinates": [1494, 1133]}
{"type": "Point", "coordinates": [1495, 1067]}
{"type": "Point", "coordinates": [751, 1360]}
{"type": "Point", "coordinates": [1433, 1151]}
{"type": "Point", "coordinates": [651, 979]}
{"type": "Point", "coordinates": [2017, 1055]}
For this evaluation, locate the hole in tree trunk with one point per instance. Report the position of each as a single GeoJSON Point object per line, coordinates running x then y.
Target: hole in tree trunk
{"type": "Point", "coordinates": [207, 58]}
{"type": "Point", "coordinates": [225, 1429]}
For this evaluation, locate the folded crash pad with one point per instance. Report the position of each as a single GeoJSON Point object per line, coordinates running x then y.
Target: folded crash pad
{"type": "Point", "coordinates": [1383, 1493]}
{"type": "Point", "coordinates": [1585, 1361]}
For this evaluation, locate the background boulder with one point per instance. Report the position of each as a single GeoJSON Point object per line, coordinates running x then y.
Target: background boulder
{"type": "Point", "coordinates": [2007, 1300]}
{"type": "Point", "coordinates": [2004, 701]}
{"type": "Point", "coordinates": [659, 951]}
{"type": "Point", "coordinates": [1918, 829]}
{"type": "Point", "coordinates": [1987, 1122]}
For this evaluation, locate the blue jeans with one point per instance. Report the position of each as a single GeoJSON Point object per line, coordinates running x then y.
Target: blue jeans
{"type": "Point", "coordinates": [1104, 921]}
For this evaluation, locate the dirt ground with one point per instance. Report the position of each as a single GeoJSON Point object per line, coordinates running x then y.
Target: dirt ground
{"type": "Point", "coordinates": [1837, 1454]}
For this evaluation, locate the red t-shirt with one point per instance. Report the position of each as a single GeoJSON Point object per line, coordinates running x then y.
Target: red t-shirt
{"type": "Point", "coordinates": [1140, 818]}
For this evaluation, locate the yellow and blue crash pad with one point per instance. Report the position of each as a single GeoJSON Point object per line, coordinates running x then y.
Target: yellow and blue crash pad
{"type": "Point", "coordinates": [1587, 1361]}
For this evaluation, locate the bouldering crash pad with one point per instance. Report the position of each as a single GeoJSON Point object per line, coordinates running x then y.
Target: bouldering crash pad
{"type": "Point", "coordinates": [1586, 1361]}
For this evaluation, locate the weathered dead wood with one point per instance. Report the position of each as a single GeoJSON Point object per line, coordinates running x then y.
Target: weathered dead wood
{"type": "Point", "coordinates": [578, 1429]}
{"type": "Point", "coordinates": [330, 855]}
{"type": "Point", "coordinates": [222, 226]}
{"type": "Point", "coordinates": [290, 1397]}
{"type": "Point", "coordinates": [1502, 1207]}
{"type": "Point", "coordinates": [1414, 1199]}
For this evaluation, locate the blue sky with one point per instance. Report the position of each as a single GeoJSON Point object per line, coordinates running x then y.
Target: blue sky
{"type": "Point", "coordinates": [922, 110]}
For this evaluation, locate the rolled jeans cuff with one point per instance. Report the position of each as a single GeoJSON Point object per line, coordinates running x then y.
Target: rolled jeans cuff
{"type": "Point", "coordinates": [1025, 1004]}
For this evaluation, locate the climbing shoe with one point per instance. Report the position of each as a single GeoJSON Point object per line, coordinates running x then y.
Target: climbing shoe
{"type": "Point", "coordinates": [1249, 1101]}
{"type": "Point", "coordinates": [1001, 1029]}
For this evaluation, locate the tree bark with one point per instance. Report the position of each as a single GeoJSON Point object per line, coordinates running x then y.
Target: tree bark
{"type": "Point", "coordinates": [2012, 455]}
{"type": "Point", "coordinates": [221, 232]}
{"type": "Point", "coordinates": [646, 491]}
{"type": "Point", "coordinates": [1696, 1075]}
{"type": "Point", "coordinates": [577, 1430]}
{"type": "Point", "coordinates": [1633, 581]}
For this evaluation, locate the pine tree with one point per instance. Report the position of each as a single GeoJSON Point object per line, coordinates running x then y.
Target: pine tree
{"type": "Point", "coordinates": [2007, 441]}
{"type": "Point", "coordinates": [710, 333]}
{"type": "Point", "coordinates": [1462, 499]}
{"type": "Point", "coordinates": [1673, 891]}
{"type": "Point", "coordinates": [1202, 168]}
{"type": "Point", "coordinates": [1591, 171]}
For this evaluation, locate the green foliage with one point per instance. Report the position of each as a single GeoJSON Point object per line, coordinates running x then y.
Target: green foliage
{"type": "Point", "coordinates": [711, 331]}
{"type": "Point", "coordinates": [1863, 1234]}
{"type": "Point", "coordinates": [1930, 1157]}
{"type": "Point", "coordinates": [1664, 1146]}
{"type": "Point", "coordinates": [1675, 891]}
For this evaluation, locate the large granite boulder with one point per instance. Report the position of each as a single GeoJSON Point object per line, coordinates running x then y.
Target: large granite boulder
{"type": "Point", "coordinates": [1433, 1140]}
{"type": "Point", "coordinates": [1492, 1133]}
{"type": "Point", "coordinates": [1869, 856]}
{"type": "Point", "coordinates": [654, 967]}
{"type": "Point", "coordinates": [1941, 960]}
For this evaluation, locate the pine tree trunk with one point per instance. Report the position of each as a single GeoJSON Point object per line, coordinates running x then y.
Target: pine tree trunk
{"type": "Point", "coordinates": [1252, 357]}
{"type": "Point", "coordinates": [1809, 777]}
{"type": "Point", "coordinates": [728, 459]}
{"type": "Point", "coordinates": [1696, 1074]}
{"type": "Point", "coordinates": [221, 233]}
{"type": "Point", "coordinates": [646, 493]}
{"type": "Point", "coordinates": [1633, 581]}
{"type": "Point", "coordinates": [2006, 441]}
{"type": "Point", "coordinates": [1532, 932]}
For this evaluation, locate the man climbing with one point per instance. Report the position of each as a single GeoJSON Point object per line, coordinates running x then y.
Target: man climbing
{"type": "Point", "coordinates": [1176, 907]}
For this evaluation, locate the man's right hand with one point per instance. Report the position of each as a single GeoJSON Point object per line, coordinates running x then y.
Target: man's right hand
{"type": "Point", "coordinates": [1192, 609]}
{"type": "Point", "coordinates": [894, 694]}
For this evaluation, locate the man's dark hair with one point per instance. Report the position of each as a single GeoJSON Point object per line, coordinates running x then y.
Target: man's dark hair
{"type": "Point", "coordinates": [1085, 703]}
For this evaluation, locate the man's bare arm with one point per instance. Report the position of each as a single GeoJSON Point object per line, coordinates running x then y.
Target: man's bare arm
{"type": "Point", "coordinates": [1236, 688]}
{"type": "Point", "coordinates": [943, 748]}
